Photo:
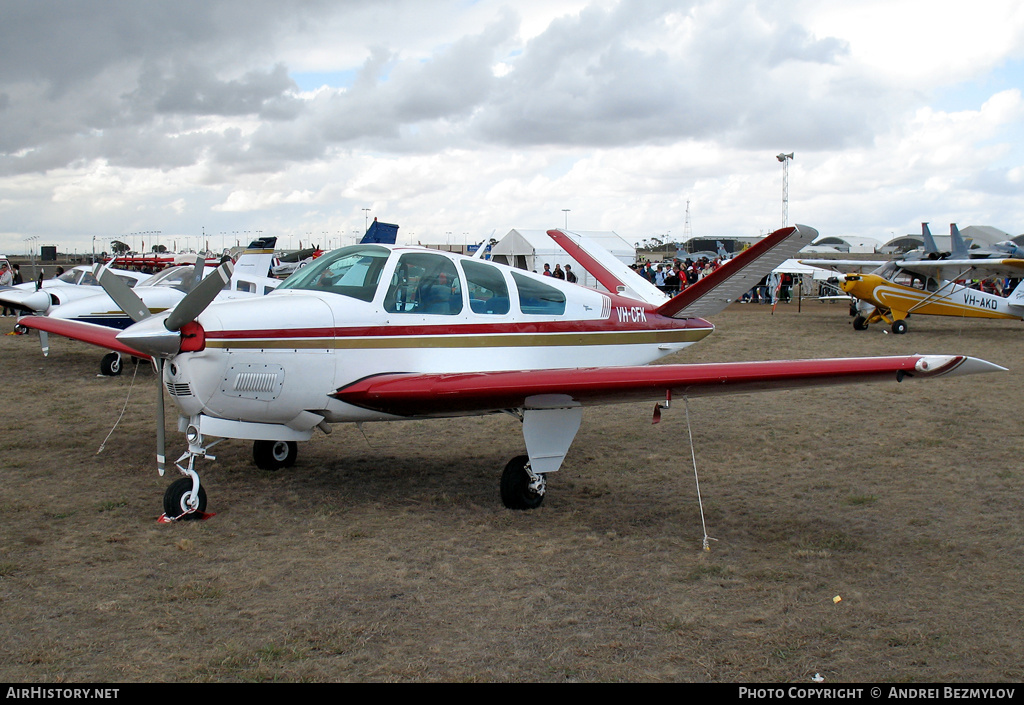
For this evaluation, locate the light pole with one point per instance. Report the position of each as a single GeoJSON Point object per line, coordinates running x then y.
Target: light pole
{"type": "Point", "coordinates": [366, 219]}
{"type": "Point", "coordinates": [566, 211]}
{"type": "Point", "coordinates": [32, 253]}
{"type": "Point", "coordinates": [785, 159]}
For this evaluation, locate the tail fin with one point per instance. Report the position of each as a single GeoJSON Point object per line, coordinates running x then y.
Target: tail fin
{"type": "Point", "coordinates": [611, 273]}
{"type": "Point", "coordinates": [930, 248]}
{"type": "Point", "coordinates": [257, 258]}
{"type": "Point", "coordinates": [1016, 299]}
{"type": "Point", "coordinates": [381, 233]}
{"type": "Point", "coordinates": [959, 247]}
{"type": "Point", "coordinates": [726, 284]}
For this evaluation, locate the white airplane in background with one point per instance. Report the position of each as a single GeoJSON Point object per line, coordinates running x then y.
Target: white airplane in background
{"type": "Point", "coordinates": [76, 283]}
{"type": "Point", "coordinates": [163, 291]}
{"type": "Point", "coordinates": [381, 333]}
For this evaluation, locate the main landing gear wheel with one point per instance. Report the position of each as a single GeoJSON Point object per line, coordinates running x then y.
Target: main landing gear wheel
{"type": "Point", "coordinates": [110, 365]}
{"type": "Point", "coordinates": [516, 492]}
{"type": "Point", "coordinates": [274, 455]}
{"type": "Point", "coordinates": [860, 323]}
{"type": "Point", "coordinates": [899, 327]}
{"type": "Point", "coordinates": [176, 500]}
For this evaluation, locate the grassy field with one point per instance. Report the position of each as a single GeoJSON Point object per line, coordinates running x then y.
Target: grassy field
{"type": "Point", "coordinates": [385, 553]}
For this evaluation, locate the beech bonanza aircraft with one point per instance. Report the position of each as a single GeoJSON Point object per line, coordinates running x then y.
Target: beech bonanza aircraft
{"type": "Point", "coordinates": [77, 283]}
{"type": "Point", "coordinates": [929, 285]}
{"type": "Point", "coordinates": [372, 332]}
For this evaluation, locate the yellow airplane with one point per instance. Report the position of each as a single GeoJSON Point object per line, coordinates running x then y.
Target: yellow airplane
{"type": "Point", "coordinates": [930, 288]}
{"type": "Point", "coordinates": [931, 283]}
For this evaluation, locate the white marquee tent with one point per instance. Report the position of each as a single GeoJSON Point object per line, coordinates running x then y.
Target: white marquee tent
{"type": "Point", "coordinates": [532, 249]}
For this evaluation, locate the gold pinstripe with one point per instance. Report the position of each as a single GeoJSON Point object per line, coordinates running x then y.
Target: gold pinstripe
{"type": "Point", "coordinates": [519, 340]}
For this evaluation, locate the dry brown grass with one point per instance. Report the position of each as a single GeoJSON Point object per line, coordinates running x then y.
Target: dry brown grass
{"type": "Point", "coordinates": [388, 557]}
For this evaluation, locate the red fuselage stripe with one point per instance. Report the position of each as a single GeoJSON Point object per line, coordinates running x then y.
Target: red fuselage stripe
{"type": "Point", "coordinates": [653, 323]}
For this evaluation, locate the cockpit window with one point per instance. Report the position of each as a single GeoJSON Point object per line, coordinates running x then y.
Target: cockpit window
{"type": "Point", "coordinates": [886, 271]}
{"type": "Point", "coordinates": [180, 277]}
{"type": "Point", "coordinates": [424, 283]}
{"type": "Point", "coordinates": [71, 277]}
{"type": "Point", "coordinates": [351, 271]}
{"type": "Point", "coordinates": [537, 297]}
{"type": "Point", "coordinates": [488, 292]}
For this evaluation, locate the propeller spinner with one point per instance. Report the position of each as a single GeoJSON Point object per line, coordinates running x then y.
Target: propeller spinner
{"type": "Point", "coordinates": [160, 337]}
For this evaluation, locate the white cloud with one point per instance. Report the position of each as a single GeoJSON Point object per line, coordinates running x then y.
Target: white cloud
{"type": "Point", "coordinates": [465, 118]}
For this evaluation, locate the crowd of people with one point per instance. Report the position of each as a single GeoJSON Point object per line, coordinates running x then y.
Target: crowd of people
{"type": "Point", "coordinates": [675, 276]}
{"type": "Point", "coordinates": [672, 277]}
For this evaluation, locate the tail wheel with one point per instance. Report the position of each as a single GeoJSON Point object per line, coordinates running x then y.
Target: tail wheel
{"type": "Point", "coordinates": [274, 455]}
{"type": "Point", "coordinates": [176, 498]}
{"type": "Point", "coordinates": [860, 323]}
{"type": "Point", "coordinates": [110, 365]}
{"type": "Point", "coordinates": [516, 492]}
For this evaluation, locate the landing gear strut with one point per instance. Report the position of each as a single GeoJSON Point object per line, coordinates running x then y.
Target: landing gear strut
{"type": "Point", "coordinates": [185, 499]}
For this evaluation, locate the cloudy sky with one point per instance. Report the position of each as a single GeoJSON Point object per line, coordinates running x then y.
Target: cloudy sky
{"type": "Point", "coordinates": [456, 119]}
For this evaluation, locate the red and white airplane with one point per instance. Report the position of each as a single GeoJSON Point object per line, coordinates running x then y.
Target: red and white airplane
{"type": "Point", "coordinates": [379, 333]}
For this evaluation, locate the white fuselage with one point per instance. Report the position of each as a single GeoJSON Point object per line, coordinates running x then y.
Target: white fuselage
{"type": "Point", "coordinates": [276, 360]}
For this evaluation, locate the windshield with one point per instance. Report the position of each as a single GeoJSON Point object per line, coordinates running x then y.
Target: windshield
{"type": "Point", "coordinates": [179, 277]}
{"type": "Point", "coordinates": [886, 271]}
{"type": "Point", "coordinates": [351, 271]}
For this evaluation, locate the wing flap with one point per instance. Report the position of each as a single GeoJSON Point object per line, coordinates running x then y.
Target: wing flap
{"type": "Point", "coordinates": [102, 336]}
{"type": "Point", "coordinates": [415, 394]}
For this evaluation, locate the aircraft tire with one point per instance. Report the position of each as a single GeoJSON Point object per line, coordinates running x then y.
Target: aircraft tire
{"type": "Point", "coordinates": [899, 327]}
{"type": "Point", "coordinates": [515, 486]}
{"type": "Point", "coordinates": [860, 323]}
{"type": "Point", "coordinates": [174, 500]}
{"type": "Point", "coordinates": [110, 365]}
{"type": "Point", "coordinates": [274, 455]}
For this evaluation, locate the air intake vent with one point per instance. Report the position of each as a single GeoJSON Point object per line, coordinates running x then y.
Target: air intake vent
{"type": "Point", "coordinates": [253, 381]}
{"type": "Point", "coordinates": [179, 390]}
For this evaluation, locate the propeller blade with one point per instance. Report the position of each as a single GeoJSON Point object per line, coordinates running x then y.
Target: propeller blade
{"type": "Point", "coordinates": [122, 295]}
{"type": "Point", "coordinates": [161, 462]}
{"type": "Point", "coordinates": [196, 301]}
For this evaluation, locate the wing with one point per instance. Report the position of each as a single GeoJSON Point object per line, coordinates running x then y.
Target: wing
{"type": "Point", "coordinates": [953, 269]}
{"type": "Point", "coordinates": [415, 394]}
{"type": "Point", "coordinates": [102, 336]}
{"type": "Point", "coordinates": [842, 266]}
{"type": "Point", "coordinates": [729, 282]}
